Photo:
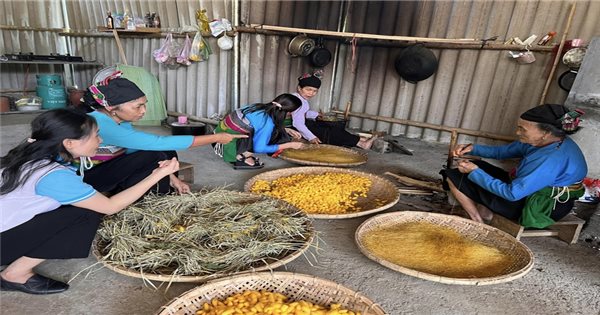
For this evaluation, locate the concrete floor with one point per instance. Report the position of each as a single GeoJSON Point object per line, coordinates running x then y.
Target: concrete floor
{"type": "Point", "coordinates": [564, 280]}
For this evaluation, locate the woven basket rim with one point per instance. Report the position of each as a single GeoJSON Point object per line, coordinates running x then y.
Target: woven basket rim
{"type": "Point", "coordinates": [183, 300]}
{"type": "Point", "coordinates": [311, 233]}
{"type": "Point", "coordinates": [316, 163]}
{"type": "Point", "coordinates": [323, 169]}
{"type": "Point", "coordinates": [410, 216]}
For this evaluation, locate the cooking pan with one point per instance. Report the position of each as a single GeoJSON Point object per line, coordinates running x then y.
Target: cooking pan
{"type": "Point", "coordinates": [320, 56]}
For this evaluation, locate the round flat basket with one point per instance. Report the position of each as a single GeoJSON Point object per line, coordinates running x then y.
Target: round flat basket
{"type": "Point", "coordinates": [521, 258]}
{"type": "Point", "coordinates": [324, 155]}
{"type": "Point", "coordinates": [293, 285]}
{"type": "Point", "coordinates": [381, 189]}
{"type": "Point", "coordinates": [99, 249]}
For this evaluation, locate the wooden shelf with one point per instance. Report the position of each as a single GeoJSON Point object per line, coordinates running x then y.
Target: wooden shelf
{"type": "Point", "coordinates": [52, 62]}
{"type": "Point", "coordinates": [138, 30]}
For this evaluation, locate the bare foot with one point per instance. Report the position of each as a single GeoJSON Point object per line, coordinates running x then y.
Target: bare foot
{"type": "Point", "coordinates": [366, 143]}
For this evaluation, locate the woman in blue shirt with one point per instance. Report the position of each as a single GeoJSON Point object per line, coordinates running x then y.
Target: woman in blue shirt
{"type": "Point", "coordinates": [47, 211]}
{"type": "Point", "coordinates": [264, 125]}
{"type": "Point", "coordinates": [546, 182]}
{"type": "Point", "coordinates": [118, 102]}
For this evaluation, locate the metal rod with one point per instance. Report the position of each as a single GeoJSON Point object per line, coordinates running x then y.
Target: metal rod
{"type": "Point", "coordinates": [558, 53]}
{"type": "Point", "coordinates": [470, 132]}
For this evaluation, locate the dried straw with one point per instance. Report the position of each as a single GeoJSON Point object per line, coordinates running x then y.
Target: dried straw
{"type": "Point", "coordinates": [202, 233]}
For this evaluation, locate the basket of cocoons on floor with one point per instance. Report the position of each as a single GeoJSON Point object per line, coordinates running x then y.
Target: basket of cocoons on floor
{"type": "Point", "coordinates": [203, 235]}
{"type": "Point", "coordinates": [443, 248]}
{"type": "Point", "coordinates": [271, 293]}
{"type": "Point", "coordinates": [324, 155]}
{"type": "Point", "coordinates": [327, 192]}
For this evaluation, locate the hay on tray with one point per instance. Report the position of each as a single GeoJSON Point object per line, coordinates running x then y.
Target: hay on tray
{"type": "Point", "coordinates": [211, 232]}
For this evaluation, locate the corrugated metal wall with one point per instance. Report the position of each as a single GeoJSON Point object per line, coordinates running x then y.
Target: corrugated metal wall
{"type": "Point", "coordinates": [475, 89]}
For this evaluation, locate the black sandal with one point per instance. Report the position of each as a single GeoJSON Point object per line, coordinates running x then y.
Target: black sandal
{"type": "Point", "coordinates": [241, 164]}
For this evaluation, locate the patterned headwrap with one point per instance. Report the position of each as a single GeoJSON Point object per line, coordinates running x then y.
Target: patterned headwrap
{"type": "Point", "coordinates": [113, 91]}
{"type": "Point", "coordinates": [557, 115]}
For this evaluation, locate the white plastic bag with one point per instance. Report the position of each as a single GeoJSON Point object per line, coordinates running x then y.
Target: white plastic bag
{"type": "Point", "coordinates": [184, 54]}
{"type": "Point", "coordinates": [161, 55]}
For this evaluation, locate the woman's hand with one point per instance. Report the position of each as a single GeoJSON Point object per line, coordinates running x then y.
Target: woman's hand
{"type": "Point", "coordinates": [466, 166]}
{"type": "Point", "coordinates": [224, 137]}
{"type": "Point", "coordinates": [315, 140]}
{"type": "Point", "coordinates": [167, 167]}
{"type": "Point", "coordinates": [291, 145]}
{"type": "Point", "coordinates": [180, 186]}
{"type": "Point", "coordinates": [293, 133]}
{"type": "Point", "coordinates": [462, 149]}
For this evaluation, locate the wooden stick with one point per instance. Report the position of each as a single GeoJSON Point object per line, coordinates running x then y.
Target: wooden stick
{"type": "Point", "coordinates": [477, 45]}
{"type": "Point", "coordinates": [470, 132]}
{"type": "Point", "coordinates": [348, 105]}
{"type": "Point", "coordinates": [415, 182]}
{"type": "Point", "coordinates": [558, 53]}
{"type": "Point", "coordinates": [120, 47]}
{"type": "Point", "coordinates": [453, 138]}
{"type": "Point", "coordinates": [363, 35]}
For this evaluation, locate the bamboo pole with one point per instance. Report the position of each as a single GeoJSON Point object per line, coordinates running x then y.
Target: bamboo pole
{"type": "Point", "coordinates": [348, 106]}
{"type": "Point", "coordinates": [120, 47]}
{"type": "Point", "coordinates": [363, 35]}
{"type": "Point", "coordinates": [453, 139]}
{"type": "Point", "coordinates": [558, 53]}
{"type": "Point", "coordinates": [480, 45]}
{"type": "Point", "coordinates": [469, 132]}
{"type": "Point", "coordinates": [415, 182]}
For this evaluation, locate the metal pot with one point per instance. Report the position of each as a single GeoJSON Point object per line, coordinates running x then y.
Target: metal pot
{"type": "Point", "coordinates": [301, 45]}
{"type": "Point", "coordinates": [416, 63]}
{"type": "Point", "coordinates": [191, 129]}
{"type": "Point", "coordinates": [320, 57]}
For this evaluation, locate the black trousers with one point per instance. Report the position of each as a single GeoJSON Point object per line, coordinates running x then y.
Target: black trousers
{"type": "Point", "coordinates": [331, 133]}
{"type": "Point", "coordinates": [122, 172]}
{"type": "Point", "coordinates": [63, 233]}
{"type": "Point", "coordinates": [507, 208]}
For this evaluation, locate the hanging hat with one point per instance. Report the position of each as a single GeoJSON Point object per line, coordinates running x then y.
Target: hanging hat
{"type": "Point", "coordinates": [416, 63]}
{"type": "Point", "coordinates": [309, 80]}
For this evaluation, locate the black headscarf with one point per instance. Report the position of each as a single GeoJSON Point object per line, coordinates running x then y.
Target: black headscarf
{"type": "Point", "coordinates": [309, 80]}
{"type": "Point", "coordinates": [547, 114]}
{"type": "Point", "coordinates": [117, 91]}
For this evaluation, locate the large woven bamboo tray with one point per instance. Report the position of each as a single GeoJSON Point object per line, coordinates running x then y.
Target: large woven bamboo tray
{"type": "Point", "coordinates": [267, 264]}
{"type": "Point", "coordinates": [293, 285]}
{"type": "Point", "coordinates": [381, 189]}
{"type": "Point", "coordinates": [522, 257]}
{"type": "Point", "coordinates": [358, 158]}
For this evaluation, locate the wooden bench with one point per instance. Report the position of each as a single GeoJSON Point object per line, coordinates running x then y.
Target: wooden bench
{"type": "Point", "coordinates": [186, 172]}
{"type": "Point", "coordinates": [567, 229]}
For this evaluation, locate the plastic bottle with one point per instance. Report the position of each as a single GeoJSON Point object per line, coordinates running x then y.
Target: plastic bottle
{"type": "Point", "coordinates": [156, 21]}
{"type": "Point", "coordinates": [547, 38]}
{"type": "Point", "coordinates": [110, 22]}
